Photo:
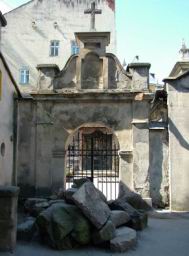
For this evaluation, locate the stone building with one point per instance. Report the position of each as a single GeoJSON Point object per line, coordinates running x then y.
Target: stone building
{"type": "Point", "coordinates": [178, 91]}
{"type": "Point", "coordinates": [93, 118]}
{"type": "Point", "coordinates": [44, 33]}
{"type": "Point", "coordinates": [8, 88]}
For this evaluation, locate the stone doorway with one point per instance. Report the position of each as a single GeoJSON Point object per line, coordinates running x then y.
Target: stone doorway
{"type": "Point", "coordinates": [93, 153]}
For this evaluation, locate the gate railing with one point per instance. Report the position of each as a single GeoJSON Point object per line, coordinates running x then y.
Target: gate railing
{"type": "Point", "coordinates": [94, 156]}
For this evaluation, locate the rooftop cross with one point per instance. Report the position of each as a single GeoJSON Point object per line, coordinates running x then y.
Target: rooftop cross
{"type": "Point", "coordinates": [93, 11]}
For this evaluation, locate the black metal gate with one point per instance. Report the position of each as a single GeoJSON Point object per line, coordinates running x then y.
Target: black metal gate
{"type": "Point", "coordinates": [94, 154]}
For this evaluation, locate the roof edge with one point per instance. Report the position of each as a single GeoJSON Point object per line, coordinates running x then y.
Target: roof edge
{"type": "Point", "coordinates": [20, 6]}
{"type": "Point", "coordinates": [139, 64]}
{"type": "Point", "coordinates": [10, 75]}
{"type": "Point", "coordinates": [3, 20]}
{"type": "Point", "coordinates": [173, 78]}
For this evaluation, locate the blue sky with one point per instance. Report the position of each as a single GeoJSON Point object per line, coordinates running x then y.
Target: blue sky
{"type": "Point", "coordinates": [152, 29]}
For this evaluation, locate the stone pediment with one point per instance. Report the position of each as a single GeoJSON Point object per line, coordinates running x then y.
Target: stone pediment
{"type": "Point", "coordinates": [95, 73]}
{"type": "Point", "coordinates": [67, 77]}
{"type": "Point", "coordinates": [94, 70]}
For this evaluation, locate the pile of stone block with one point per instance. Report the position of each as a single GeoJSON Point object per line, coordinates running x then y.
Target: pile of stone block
{"type": "Point", "coordinates": [82, 216]}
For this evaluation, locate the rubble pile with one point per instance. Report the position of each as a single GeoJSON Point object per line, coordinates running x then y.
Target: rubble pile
{"type": "Point", "coordinates": [82, 216]}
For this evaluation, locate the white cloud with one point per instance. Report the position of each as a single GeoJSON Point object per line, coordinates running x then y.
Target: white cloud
{"type": "Point", "coordinates": [4, 7]}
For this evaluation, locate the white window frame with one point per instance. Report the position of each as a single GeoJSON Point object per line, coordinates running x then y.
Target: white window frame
{"type": "Point", "coordinates": [24, 75]}
{"type": "Point", "coordinates": [74, 47]}
{"type": "Point", "coordinates": [54, 48]}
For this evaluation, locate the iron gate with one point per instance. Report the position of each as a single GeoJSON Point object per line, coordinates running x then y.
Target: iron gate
{"type": "Point", "coordinates": [95, 156]}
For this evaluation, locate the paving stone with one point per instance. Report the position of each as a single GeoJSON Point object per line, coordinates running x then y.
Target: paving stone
{"type": "Point", "coordinates": [125, 239]}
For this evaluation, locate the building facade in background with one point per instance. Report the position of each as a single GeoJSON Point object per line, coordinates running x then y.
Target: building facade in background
{"type": "Point", "coordinates": [85, 115]}
{"type": "Point", "coordinates": [177, 85]}
{"type": "Point", "coordinates": [42, 31]}
{"type": "Point", "coordinates": [8, 89]}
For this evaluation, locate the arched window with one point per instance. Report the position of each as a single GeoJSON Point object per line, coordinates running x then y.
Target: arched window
{"type": "Point", "coordinates": [93, 154]}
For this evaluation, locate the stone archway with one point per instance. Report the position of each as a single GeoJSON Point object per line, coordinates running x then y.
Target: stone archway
{"type": "Point", "coordinates": [92, 152]}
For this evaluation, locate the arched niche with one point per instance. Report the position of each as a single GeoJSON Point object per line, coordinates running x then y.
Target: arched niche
{"type": "Point", "coordinates": [91, 71]}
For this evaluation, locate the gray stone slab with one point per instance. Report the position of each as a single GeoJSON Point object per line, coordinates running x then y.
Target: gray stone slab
{"type": "Point", "coordinates": [26, 230]}
{"type": "Point", "coordinates": [131, 197]}
{"type": "Point", "coordinates": [119, 218]}
{"type": "Point", "coordinates": [9, 191]}
{"type": "Point", "coordinates": [124, 240]}
{"type": "Point", "coordinates": [87, 198]}
{"type": "Point", "coordinates": [107, 233]}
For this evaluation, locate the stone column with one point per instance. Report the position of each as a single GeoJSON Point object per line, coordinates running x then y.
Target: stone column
{"type": "Point", "coordinates": [126, 170]}
{"type": "Point", "coordinates": [141, 160]}
{"type": "Point", "coordinates": [141, 149]}
{"type": "Point", "coordinates": [8, 217]}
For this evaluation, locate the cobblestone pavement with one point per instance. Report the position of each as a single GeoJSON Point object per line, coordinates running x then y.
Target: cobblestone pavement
{"type": "Point", "coordinates": [167, 235]}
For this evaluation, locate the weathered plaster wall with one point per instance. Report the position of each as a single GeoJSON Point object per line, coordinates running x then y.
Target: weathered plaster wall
{"type": "Point", "coordinates": [44, 128]}
{"type": "Point", "coordinates": [159, 168]}
{"type": "Point", "coordinates": [24, 45]}
{"type": "Point", "coordinates": [178, 93]}
{"type": "Point", "coordinates": [141, 147]}
{"type": "Point", "coordinates": [6, 128]}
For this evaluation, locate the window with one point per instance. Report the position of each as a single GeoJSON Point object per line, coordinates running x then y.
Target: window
{"type": "Point", "coordinates": [54, 48]}
{"type": "Point", "coordinates": [24, 75]}
{"type": "Point", "coordinates": [74, 47]}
